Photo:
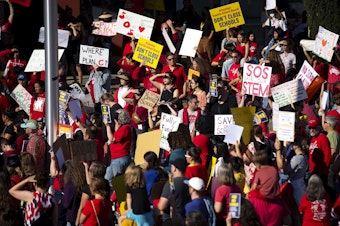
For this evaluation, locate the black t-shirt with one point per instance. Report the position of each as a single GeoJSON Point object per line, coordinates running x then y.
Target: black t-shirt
{"type": "Point", "coordinates": [10, 130]}
{"type": "Point", "coordinates": [140, 201]}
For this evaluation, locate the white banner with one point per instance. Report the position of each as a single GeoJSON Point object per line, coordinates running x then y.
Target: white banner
{"type": "Point", "coordinates": [256, 79]}
{"type": "Point", "coordinates": [37, 60]}
{"type": "Point", "coordinates": [91, 55]}
{"type": "Point", "coordinates": [190, 42]}
{"type": "Point", "coordinates": [63, 36]}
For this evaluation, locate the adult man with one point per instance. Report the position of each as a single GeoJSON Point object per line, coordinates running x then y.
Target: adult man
{"type": "Point", "coordinates": [190, 114]}
{"type": "Point", "coordinates": [175, 194]}
{"type": "Point", "coordinates": [330, 123]}
{"type": "Point", "coordinates": [36, 144]}
{"type": "Point", "coordinates": [229, 71]}
{"type": "Point", "coordinates": [319, 150]}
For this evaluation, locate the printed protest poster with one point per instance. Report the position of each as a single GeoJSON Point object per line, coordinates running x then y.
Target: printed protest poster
{"type": "Point", "coordinates": [286, 126]}
{"type": "Point", "coordinates": [325, 41]}
{"type": "Point", "coordinates": [91, 55]}
{"type": "Point", "coordinates": [63, 36]}
{"type": "Point", "coordinates": [193, 72]}
{"type": "Point", "coordinates": [235, 203]}
{"type": "Point", "coordinates": [333, 76]}
{"type": "Point", "coordinates": [275, 117]}
{"type": "Point", "coordinates": [147, 51]}
{"type": "Point", "coordinates": [270, 4]}
{"type": "Point", "coordinates": [22, 97]}
{"type": "Point", "coordinates": [168, 41]}
{"type": "Point", "coordinates": [65, 129]}
{"type": "Point", "coordinates": [169, 123]}
{"type": "Point", "coordinates": [104, 28]}
{"type": "Point", "coordinates": [244, 117]}
{"type": "Point", "coordinates": [307, 74]}
{"type": "Point", "coordinates": [77, 92]}
{"type": "Point", "coordinates": [148, 100]}
{"type": "Point", "coordinates": [190, 42]}
{"type": "Point", "coordinates": [149, 141]}
{"type": "Point", "coordinates": [233, 134]}
{"type": "Point", "coordinates": [36, 62]}
{"type": "Point", "coordinates": [134, 25]}
{"type": "Point", "coordinates": [227, 16]}
{"type": "Point", "coordinates": [154, 5]}
{"type": "Point", "coordinates": [289, 93]}
{"type": "Point", "coordinates": [106, 114]}
{"type": "Point", "coordinates": [25, 3]}
{"type": "Point", "coordinates": [64, 96]}
{"type": "Point", "coordinates": [213, 88]}
{"type": "Point", "coordinates": [261, 115]}
{"type": "Point", "coordinates": [256, 80]}
{"type": "Point", "coordinates": [222, 123]}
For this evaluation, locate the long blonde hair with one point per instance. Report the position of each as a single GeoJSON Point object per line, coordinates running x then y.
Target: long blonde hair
{"type": "Point", "coordinates": [134, 177]}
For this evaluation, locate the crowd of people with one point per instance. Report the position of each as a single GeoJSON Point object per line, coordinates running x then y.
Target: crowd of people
{"type": "Point", "coordinates": [280, 182]}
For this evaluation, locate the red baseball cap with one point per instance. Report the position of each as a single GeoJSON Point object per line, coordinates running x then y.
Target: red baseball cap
{"type": "Point", "coordinates": [312, 123]}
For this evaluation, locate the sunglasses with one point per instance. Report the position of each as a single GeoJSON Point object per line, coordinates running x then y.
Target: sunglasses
{"type": "Point", "coordinates": [170, 59]}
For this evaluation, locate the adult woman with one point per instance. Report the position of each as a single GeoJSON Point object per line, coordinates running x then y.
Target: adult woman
{"type": "Point", "coordinates": [278, 69]}
{"type": "Point", "coordinates": [125, 85]}
{"type": "Point", "coordinates": [206, 44]}
{"type": "Point", "coordinates": [277, 36]}
{"type": "Point", "coordinates": [126, 64]}
{"type": "Point", "coordinates": [195, 167]}
{"type": "Point", "coordinates": [14, 66]}
{"type": "Point", "coordinates": [152, 172]}
{"type": "Point", "coordinates": [201, 65]}
{"type": "Point", "coordinates": [119, 144]}
{"type": "Point", "coordinates": [167, 89]}
{"type": "Point", "coordinates": [241, 44]}
{"type": "Point", "coordinates": [9, 131]}
{"type": "Point", "coordinates": [37, 107]}
{"type": "Point", "coordinates": [196, 85]}
{"type": "Point", "coordinates": [39, 204]}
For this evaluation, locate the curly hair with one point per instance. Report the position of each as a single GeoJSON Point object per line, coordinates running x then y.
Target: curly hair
{"type": "Point", "coordinates": [123, 117]}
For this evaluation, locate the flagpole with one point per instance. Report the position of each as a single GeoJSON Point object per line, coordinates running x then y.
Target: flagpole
{"type": "Point", "coordinates": [51, 69]}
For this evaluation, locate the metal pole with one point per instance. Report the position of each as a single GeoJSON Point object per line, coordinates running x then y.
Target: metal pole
{"type": "Point", "coordinates": [51, 68]}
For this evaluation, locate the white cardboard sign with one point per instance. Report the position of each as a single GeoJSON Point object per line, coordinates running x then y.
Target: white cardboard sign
{"type": "Point", "coordinates": [307, 74]}
{"type": "Point", "coordinates": [168, 41]}
{"type": "Point", "coordinates": [169, 123]}
{"type": "Point", "coordinates": [22, 97]}
{"type": "Point", "coordinates": [63, 36]}
{"type": "Point", "coordinates": [325, 41]}
{"type": "Point", "coordinates": [286, 126]}
{"type": "Point", "coordinates": [104, 28]}
{"type": "Point", "coordinates": [91, 55]}
{"type": "Point", "coordinates": [222, 123]}
{"type": "Point", "coordinates": [233, 134]}
{"type": "Point", "coordinates": [256, 79]}
{"type": "Point", "coordinates": [37, 60]}
{"type": "Point", "coordinates": [190, 42]}
{"type": "Point", "coordinates": [270, 4]}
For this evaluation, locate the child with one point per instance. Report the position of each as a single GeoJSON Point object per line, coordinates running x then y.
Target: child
{"type": "Point", "coordinates": [236, 84]}
{"type": "Point", "coordinates": [138, 206]}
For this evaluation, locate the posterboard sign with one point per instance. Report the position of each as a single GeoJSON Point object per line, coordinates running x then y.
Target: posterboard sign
{"type": "Point", "coordinates": [25, 3]}
{"type": "Point", "coordinates": [22, 97]}
{"type": "Point", "coordinates": [270, 4]}
{"type": "Point", "coordinates": [289, 93]}
{"type": "Point", "coordinates": [134, 25]}
{"type": "Point", "coordinates": [275, 117]}
{"type": "Point", "coordinates": [104, 28]}
{"type": "Point", "coordinates": [168, 41]}
{"type": "Point", "coordinates": [147, 51]}
{"type": "Point", "coordinates": [325, 41]}
{"type": "Point", "coordinates": [106, 114]}
{"type": "Point", "coordinates": [233, 134]}
{"type": "Point", "coordinates": [64, 97]}
{"type": "Point", "coordinates": [148, 100]}
{"type": "Point", "coordinates": [75, 109]}
{"type": "Point", "coordinates": [61, 144]}
{"type": "Point", "coordinates": [83, 151]}
{"type": "Point", "coordinates": [244, 117]}
{"type": "Point", "coordinates": [190, 42]}
{"type": "Point", "coordinates": [235, 205]}
{"type": "Point", "coordinates": [213, 88]}
{"type": "Point", "coordinates": [307, 74]}
{"type": "Point", "coordinates": [193, 72]}
{"type": "Point", "coordinates": [154, 5]}
{"type": "Point", "coordinates": [308, 45]}
{"type": "Point", "coordinates": [91, 55]}
{"type": "Point", "coordinates": [256, 80]}
{"type": "Point", "coordinates": [65, 129]}
{"type": "Point", "coordinates": [222, 123]}
{"type": "Point", "coordinates": [286, 126]}
{"type": "Point", "coordinates": [324, 100]}
{"type": "Point", "coordinates": [76, 92]}
{"type": "Point", "coordinates": [63, 36]}
{"type": "Point", "coordinates": [169, 123]}
{"type": "Point", "coordinates": [149, 141]}
{"type": "Point", "coordinates": [36, 62]}
{"type": "Point", "coordinates": [227, 16]}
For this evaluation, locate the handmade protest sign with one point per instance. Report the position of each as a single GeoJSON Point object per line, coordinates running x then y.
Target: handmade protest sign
{"type": "Point", "coordinates": [233, 134]}
{"type": "Point", "coordinates": [256, 80]}
{"type": "Point", "coordinates": [168, 41]}
{"type": "Point", "coordinates": [325, 100]}
{"type": "Point", "coordinates": [147, 51]}
{"type": "Point", "coordinates": [213, 88]}
{"type": "Point", "coordinates": [154, 5]}
{"type": "Point", "coordinates": [289, 92]}
{"type": "Point", "coordinates": [83, 151]}
{"type": "Point", "coordinates": [134, 25]}
{"type": "Point", "coordinates": [63, 36]}
{"type": "Point", "coordinates": [25, 3]}
{"type": "Point", "coordinates": [306, 74]}
{"type": "Point", "coordinates": [22, 97]}
{"type": "Point", "coordinates": [325, 41]}
{"type": "Point", "coordinates": [104, 28]}
{"type": "Point", "coordinates": [193, 72]}
{"type": "Point", "coordinates": [37, 60]}
{"type": "Point", "coordinates": [76, 92]}
{"type": "Point", "coordinates": [244, 117]}
{"type": "Point", "coordinates": [169, 123]}
{"type": "Point", "coordinates": [106, 114]}
{"type": "Point", "coordinates": [91, 55]}
{"type": "Point", "coordinates": [227, 16]}
{"type": "Point", "coordinates": [148, 100]}
{"type": "Point", "coordinates": [286, 126]}
{"type": "Point", "coordinates": [270, 4]}
{"type": "Point", "coordinates": [222, 123]}
{"type": "Point", "coordinates": [75, 109]}
{"type": "Point", "coordinates": [235, 204]}
{"type": "Point", "coordinates": [190, 42]}
{"type": "Point", "coordinates": [149, 141]}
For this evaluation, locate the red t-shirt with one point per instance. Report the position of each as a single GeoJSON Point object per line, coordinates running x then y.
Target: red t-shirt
{"type": "Point", "coordinates": [179, 73]}
{"type": "Point", "coordinates": [202, 141]}
{"type": "Point", "coordinates": [121, 146]}
{"type": "Point", "coordinates": [241, 49]}
{"type": "Point", "coordinates": [197, 171]}
{"type": "Point", "coordinates": [315, 213]}
{"type": "Point", "coordinates": [267, 180]}
{"type": "Point", "coordinates": [37, 108]}
{"type": "Point", "coordinates": [222, 196]}
{"type": "Point", "coordinates": [253, 49]}
{"type": "Point", "coordinates": [102, 207]}
{"type": "Point", "coordinates": [232, 73]}
{"type": "Point", "coordinates": [319, 161]}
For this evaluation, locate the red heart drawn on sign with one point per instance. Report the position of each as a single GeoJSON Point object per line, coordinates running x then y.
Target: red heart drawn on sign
{"type": "Point", "coordinates": [324, 42]}
{"type": "Point", "coordinates": [121, 16]}
{"type": "Point", "coordinates": [141, 29]}
{"type": "Point", "coordinates": [126, 24]}
{"type": "Point", "coordinates": [130, 33]}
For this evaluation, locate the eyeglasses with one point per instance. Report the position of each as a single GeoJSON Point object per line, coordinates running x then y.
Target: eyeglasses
{"type": "Point", "coordinates": [284, 45]}
{"type": "Point", "coordinates": [170, 59]}
{"type": "Point", "coordinates": [187, 156]}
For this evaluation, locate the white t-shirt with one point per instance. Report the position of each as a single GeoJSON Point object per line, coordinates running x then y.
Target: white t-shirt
{"type": "Point", "coordinates": [288, 61]}
{"type": "Point", "coordinates": [192, 118]}
{"type": "Point", "coordinates": [121, 92]}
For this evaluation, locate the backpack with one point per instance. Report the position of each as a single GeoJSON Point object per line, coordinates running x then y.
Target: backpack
{"type": "Point", "coordinates": [211, 211]}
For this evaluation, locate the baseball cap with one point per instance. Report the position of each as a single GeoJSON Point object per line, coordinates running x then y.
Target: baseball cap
{"type": "Point", "coordinates": [180, 164]}
{"type": "Point", "coordinates": [32, 124]}
{"type": "Point", "coordinates": [22, 77]}
{"type": "Point", "coordinates": [196, 183]}
{"type": "Point", "coordinates": [312, 123]}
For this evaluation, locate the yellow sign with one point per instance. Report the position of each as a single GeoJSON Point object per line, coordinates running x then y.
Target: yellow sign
{"type": "Point", "coordinates": [244, 117]}
{"type": "Point", "coordinates": [154, 5]}
{"type": "Point", "coordinates": [227, 16]}
{"type": "Point", "coordinates": [192, 72]}
{"type": "Point", "coordinates": [147, 51]}
{"type": "Point", "coordinates": [147, 142]}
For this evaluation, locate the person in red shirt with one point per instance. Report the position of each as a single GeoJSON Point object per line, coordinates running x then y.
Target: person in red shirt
{"type": "Point", "coordinates": [195, 167]}
{"type": "Point", "coordinates": [231, 72]}
{"type": "Point", "coordinates": [143, 73]}
{"type": "Point", "coordinates": [37, 108]}
{"type": "Point", "coordinates": [13, 67]}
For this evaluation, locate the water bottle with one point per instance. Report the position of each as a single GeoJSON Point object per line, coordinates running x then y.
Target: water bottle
{"type": "Point", "coordinates": [185, 26]}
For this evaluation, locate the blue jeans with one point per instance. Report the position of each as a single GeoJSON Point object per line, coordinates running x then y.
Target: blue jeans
{"type": "Point", "coordinates": [117, 167]}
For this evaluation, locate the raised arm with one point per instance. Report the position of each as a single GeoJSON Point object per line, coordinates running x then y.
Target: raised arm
{"type": "Point", "coordinates": [11, 12]}
{"type": "Point", "coordinates": [159, 85]}
{"type": "Point", "coordinates": [229, 37]}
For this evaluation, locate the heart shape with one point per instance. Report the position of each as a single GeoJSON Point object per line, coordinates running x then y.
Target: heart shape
{"type": "Point", "coordinates": [130, 33]}
{"type": "Point", "coordinates": [141, 29]}
{"type": "Point", "coordinates": [121, 16]}
{"type": "Point", "coordinates": [324, 42]}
